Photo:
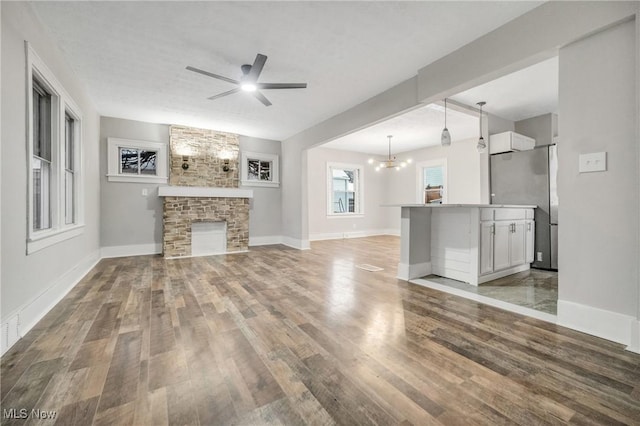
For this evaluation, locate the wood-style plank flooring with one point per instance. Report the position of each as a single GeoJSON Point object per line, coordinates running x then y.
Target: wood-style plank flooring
{"type": "Point", "coordinates": [280, 336]}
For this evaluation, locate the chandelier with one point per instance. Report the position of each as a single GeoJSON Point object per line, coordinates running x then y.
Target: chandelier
{"type": "Point", "coordinates": [390, 162]}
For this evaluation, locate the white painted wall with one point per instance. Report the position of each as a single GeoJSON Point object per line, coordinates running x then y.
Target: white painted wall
{"type": "Point", "coordinates": [375, 219]}
{"type": "Point", "coordinates": [464, 177]}
{"type": "Point", "coordinates": [598, 238]}
{"type": "Point", "coordinates": [32, 284]}
{"type": "Point", "coordinates": [132, 223]}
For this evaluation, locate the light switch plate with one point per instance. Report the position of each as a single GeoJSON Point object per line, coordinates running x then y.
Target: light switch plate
{"type": "Point", "coordinates": [594, 162]}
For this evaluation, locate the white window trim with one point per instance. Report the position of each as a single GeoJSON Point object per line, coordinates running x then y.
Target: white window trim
{"type": "Point", "coordinates": [275, 169]}
{"type": "Point", "coordinates": [420, 166]}
{"type": "Point", "coordinates": [113, 161]}
{"type": "Point", "coordinates": [359, 213]}
{"type": "Point", "coordinates": [60, 102]}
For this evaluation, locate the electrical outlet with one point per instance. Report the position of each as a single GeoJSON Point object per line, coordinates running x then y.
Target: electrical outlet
{"type": "Point", "coordinates": [539, 256]}
{"type": "Point", "coordinates": [595, 162]}
{"type": "Point", "coordinates": [145, 192]}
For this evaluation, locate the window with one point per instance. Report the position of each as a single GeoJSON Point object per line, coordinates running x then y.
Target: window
{"type": "Point", "coordinates": [136, 161]}
{"type": "Point", "coordinates": [432, 182]}
{"type": "Point", "coordinates": [54, 138]}
{"type": "Point", "coordinates": [69, 169]}
{"type": "Point", "coordinates": [344, 190]}
{"type": "Point", "coordinates": [41, 160]}
{"type": "Point", "coordinates": [260, 169]}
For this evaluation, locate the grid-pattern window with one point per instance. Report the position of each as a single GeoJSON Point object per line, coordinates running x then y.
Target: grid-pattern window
{"type": "Point", "coordinates": [69, 169]}
{"type": "Point", "coordinates": [433, 184]}
{"type": "Point", "coordinates": [54, 122]}
{"type": "Point", "coordinates": [41, 159]}
{"type": "Point", "coordinates": [138, 161]}
{"type": "Point", "coordinates": [259, 170]}
{"type": "Point", "coordinates": [345, 192]}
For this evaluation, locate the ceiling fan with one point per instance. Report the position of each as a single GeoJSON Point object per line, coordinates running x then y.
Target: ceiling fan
{"type": "Point", "coordinates": [249, 81]}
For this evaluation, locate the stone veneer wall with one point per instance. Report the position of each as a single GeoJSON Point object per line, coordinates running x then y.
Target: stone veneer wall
{"type": "Point", "coordinates": [204, 149]}
{"type": "Point", "coordinates": [180, 212]}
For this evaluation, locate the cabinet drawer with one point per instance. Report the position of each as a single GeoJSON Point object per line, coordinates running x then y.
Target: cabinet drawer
{"type": "Point", "coordinates": [529, 214]}
{"type": "Point", "coordinates": [510, 214]}
{"type": "Point", "coordinates": [486, 214]}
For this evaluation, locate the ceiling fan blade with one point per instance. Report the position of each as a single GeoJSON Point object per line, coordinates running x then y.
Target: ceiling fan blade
{"type": "Point", "coordinates": [256, 68]}
{"type": "Point", "coordinates": [210, 74]}
{"type": "Point", "coordinates": [261, 98]}
{"type": "Point", "coordinates": [230, 92]}
{"type": "Point", "coordinates": [268, 86]}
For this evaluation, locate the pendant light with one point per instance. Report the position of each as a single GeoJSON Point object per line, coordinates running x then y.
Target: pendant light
{"type": "Point", "coordinates": [482, 145]}
{"type": "Point", "coordinates": [445, 138]}
{"type": "Point", "coordinates": [390, 162]}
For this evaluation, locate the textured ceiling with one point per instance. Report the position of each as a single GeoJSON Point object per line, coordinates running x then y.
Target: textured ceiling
{"type": "Point", "coordinates": [524, 94]}
{"type": "Point", "coordinates": [132, 55]}
{"type": "Point", "coordinates": [416, 129]}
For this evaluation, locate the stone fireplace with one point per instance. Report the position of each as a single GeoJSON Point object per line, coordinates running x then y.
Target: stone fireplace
{"type": "Point", "coordinates": [203, 191]}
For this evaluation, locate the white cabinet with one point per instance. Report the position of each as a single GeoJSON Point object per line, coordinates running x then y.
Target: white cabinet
{"type": "Point", "coordinates": [530, 240]}
{"type": "Point", "coordinates": [509, 248]}
{"type": "Point", "coordinates": [486, 247]}
{"type": "Point", "coordinates": [510, 141]}
{"type": "Point", "coordinates": [506, 242]}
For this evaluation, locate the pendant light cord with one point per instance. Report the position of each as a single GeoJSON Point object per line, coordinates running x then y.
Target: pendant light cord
{"type": "Point", "coordinates": [445, 113]}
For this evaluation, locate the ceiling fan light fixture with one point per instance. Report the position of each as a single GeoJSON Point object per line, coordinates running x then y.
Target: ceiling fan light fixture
{"type": "Point", "coordinates": [445, 137]}
{"type": "Point", "coordinates": [248, 87]}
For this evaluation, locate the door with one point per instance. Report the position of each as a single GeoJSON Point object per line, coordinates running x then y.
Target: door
{"type": "Point", "coordinates": [501, 240]}
{"type": "Point", "coordinates": [518, 247]}
{"type": "Point", "coordinates": [486, 247]}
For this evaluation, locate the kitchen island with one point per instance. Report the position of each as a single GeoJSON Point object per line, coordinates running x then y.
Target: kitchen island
{"type": "Point", "coordinates": [474, 243]}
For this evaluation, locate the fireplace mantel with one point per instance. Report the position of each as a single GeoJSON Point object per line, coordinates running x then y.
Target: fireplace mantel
{"type": "Point", "coordinates": [198, 191]}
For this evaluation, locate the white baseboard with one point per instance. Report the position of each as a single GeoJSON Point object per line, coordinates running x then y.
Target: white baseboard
{"type": "Point", "coordinates": [504, 273]}
{"type": "Point", "coordinates": [634, 341]}
{"type": "Point", "coordinates": [28, 315]}
{"type": "Point", "coordinates": [601, 323]}
{"type": "Point", "coordinates": [408, 272]}
{"type": "Point", "coordinates": [353, 234]}
{"type": "Point", "coordinates": [296, 243]}
{"type": "Point", "coordinates": [130, 250]}
{"type": "Point", "coordinates": [265, 241]}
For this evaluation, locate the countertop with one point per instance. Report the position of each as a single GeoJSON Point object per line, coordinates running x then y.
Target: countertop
{"type": "Point", "coordinates": [440, 206]}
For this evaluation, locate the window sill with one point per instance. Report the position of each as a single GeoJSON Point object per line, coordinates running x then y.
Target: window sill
{"type": "Point", "coordinates": [345, 216]}
{"type": "Point", "coordinates": [266, 184]}
{"type": "Point", "coordinates": [44, 239]}
{"type": "Point", "coordinates": [137, 179]}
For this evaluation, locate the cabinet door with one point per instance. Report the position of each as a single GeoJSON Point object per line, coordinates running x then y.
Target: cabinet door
{"type": "Point", "coordinates": [486, 247]}
{"type": "Point", "coordinates": [518, 247]}
{"type": "Point", "coordinates": [501, 240]}
{"type": "Point", "coordinates": [530, 240]}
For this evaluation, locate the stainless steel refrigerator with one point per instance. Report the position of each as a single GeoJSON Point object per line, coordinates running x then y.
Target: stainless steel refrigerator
{"type": "Point", "coordinates": [529, 177]}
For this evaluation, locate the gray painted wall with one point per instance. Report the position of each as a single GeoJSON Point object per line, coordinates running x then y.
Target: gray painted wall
{"type": "Point", "coordinates": [542, 128]}
{"type": "Point", "coordinates": [375, 218]}
{"type": "Point", "coordinates": [26, 277]}
{"type": "Point", "coordinates": [265, 215]}
{"type": "Point", "coordinates": [129, 218]}
{"type": "Point", "coordinates": [598, 235]}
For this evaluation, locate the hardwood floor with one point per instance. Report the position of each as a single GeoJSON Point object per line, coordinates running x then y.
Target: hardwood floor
{"type": "Point", "coordinates": [279, 336]}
